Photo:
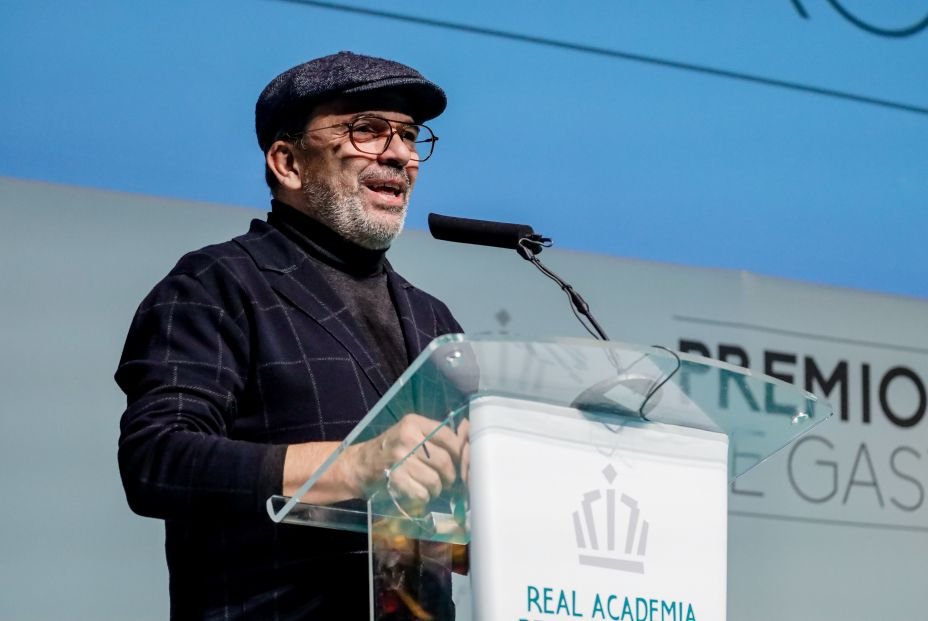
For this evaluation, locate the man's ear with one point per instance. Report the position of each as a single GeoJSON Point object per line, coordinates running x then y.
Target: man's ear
{"type": "Point", "coordinates": [282, 161]}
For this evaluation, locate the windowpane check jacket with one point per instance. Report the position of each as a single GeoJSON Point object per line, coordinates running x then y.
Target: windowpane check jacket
{"type": "Point", "coordinates": [241, 350]}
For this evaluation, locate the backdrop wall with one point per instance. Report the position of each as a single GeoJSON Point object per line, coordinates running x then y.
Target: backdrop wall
{"type": "Point", "coordinates": [836, 529]}
{"type": "Point", "coordinates": [779, 137]}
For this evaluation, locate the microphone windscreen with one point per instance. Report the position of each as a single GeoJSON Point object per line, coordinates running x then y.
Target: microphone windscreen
{"type": "Point", "coordinates": [480, 232]}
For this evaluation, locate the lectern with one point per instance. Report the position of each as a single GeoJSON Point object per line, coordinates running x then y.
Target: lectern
{"type": "Point", "coordinates": [592, 482]}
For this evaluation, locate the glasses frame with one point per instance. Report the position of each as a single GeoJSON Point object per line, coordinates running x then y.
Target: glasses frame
{"type": "Point", "coordinates": [386, 145]}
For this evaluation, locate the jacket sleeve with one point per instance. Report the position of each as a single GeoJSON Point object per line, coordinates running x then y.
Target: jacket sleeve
{"type": "Point", "coordinates": [183, 369]}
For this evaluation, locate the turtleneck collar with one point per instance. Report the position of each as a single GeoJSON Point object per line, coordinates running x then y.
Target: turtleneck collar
{"type": "Point", "coordinates": [324, 244]}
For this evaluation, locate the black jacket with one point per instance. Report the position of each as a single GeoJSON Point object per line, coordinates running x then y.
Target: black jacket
{"type": "Point", "coordinates": [241, 350]}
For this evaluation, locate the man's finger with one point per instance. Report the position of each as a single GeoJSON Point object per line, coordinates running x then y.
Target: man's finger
{"type": "Point", "coordinates": [422, 475]}
{"type": "Point", "coordinates": [438, 459]}
{"type": "Point", "coordinates": [408, 490]}
{"type": "Point", "coordinates": [443, 436]}
{"type": "Point", "coordinates": [463, 435]}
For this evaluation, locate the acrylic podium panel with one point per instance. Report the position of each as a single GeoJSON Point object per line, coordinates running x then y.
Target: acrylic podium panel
{"type": "Point", "coordinates": [589, 513]}
{"type": "Point", "coordinates": [643, 417]}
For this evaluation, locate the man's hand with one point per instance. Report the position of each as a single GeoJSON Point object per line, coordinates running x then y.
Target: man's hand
{"type": "Point", "coordinates": [423, 475]}
{"type": "Point", "coordinates": [464, 441]}
{"type": "Point", "coordinates": [360, 470]}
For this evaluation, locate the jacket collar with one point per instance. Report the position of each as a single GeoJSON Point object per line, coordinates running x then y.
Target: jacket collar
{"type": "Point", "coordinates": [324, 244]}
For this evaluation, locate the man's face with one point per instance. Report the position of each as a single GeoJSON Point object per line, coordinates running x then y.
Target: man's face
{"type": "Point", "coordinates": [362, 197]}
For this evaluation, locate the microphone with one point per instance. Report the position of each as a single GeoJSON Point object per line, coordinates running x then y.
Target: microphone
{"type": "Point", "coordinates": [485, 233]}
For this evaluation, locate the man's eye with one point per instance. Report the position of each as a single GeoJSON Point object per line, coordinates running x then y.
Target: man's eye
{"type": "Point", "coordinates": [364, 128]}
{"type": "Point", "coordinates": [410, 134]}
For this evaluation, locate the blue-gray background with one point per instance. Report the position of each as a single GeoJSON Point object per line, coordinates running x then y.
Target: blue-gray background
{"type": "Point", "coordinates": [607, 153]}
{"type": "Point", "coordinates": [604, 153]}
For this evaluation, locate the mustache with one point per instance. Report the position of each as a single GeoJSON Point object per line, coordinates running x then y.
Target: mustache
{"type": "Point", "coordinates": [398, 175]}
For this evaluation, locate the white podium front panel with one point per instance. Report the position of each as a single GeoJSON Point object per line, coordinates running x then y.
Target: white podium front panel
{"type": "Point", "coordinates": [594, 517]}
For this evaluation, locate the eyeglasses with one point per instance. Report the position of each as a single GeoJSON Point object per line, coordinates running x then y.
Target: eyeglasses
{"type": "Point", "coordinates": [373, 135]}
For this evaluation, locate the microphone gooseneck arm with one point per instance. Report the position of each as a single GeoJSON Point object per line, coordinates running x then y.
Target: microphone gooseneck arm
{"type": "Point", "coordinates": [578, 304]}
{"type": "Point", "coordinates": [523, 239]}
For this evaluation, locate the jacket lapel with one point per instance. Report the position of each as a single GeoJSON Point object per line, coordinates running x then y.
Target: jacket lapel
{"type": "Point", "coordinates": [296, 279]}
{"type": "Point", "coordinates": [415, 326]}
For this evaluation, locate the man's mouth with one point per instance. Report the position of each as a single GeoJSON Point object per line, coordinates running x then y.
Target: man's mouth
{"type": "Point", "coordinates": [386, 187]}
{"type": "Point", "coordinates": [391, 185]}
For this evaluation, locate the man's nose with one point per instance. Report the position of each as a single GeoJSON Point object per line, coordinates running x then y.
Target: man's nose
{"type": "Point", "coordinates": [398, 152]}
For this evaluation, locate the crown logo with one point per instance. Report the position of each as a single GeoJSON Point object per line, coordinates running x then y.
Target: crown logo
{"type": "Point", "coordinates": [613, 552]}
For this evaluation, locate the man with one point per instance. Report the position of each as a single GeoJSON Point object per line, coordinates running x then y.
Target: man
{"type": "Point", "coordinates": [247, 364]}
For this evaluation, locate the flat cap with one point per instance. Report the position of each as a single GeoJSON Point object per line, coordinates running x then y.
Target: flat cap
{"type": "Point", "coordinates": [300, 88]}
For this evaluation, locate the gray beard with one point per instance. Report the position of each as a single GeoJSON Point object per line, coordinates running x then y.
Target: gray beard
{"type": "Point", "coordinates": [343, 211]}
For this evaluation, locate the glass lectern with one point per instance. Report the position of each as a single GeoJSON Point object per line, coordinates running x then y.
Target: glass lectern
{"type": "Point", "coordinates": [591, 480]}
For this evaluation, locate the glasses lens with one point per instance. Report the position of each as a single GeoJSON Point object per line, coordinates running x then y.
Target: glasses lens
{"type": "Point", "coordinates": [372, 135]}
{"type": "Point", "coordinates": [369, 134]}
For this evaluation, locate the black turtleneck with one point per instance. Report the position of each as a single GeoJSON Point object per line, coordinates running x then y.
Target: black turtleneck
{"type": "Point", "coordinates": [359, 278]}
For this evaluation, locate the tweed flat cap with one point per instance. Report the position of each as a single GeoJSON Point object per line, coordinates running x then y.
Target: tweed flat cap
{"type": "Point", "coordinates": [298, 89]}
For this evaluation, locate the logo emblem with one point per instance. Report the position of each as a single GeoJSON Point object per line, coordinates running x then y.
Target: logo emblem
{"type": "Point", "coordinates": [598, 543]}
